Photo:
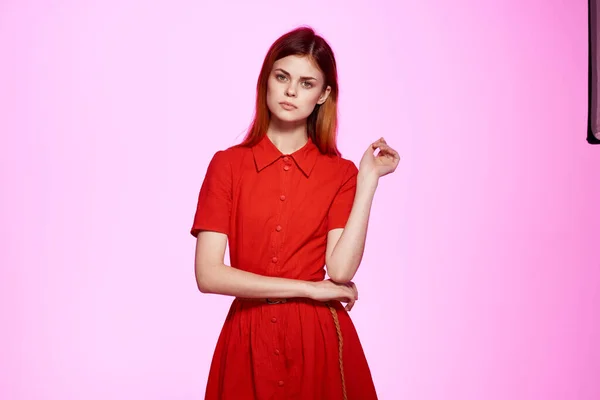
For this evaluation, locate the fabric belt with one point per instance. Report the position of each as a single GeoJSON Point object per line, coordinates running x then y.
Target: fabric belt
{"type": "Point", "coordinates": [265, 300]}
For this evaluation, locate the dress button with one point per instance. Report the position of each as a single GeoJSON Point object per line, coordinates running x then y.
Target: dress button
{"type": "Point", "coordinates": [279, 228]}
{"type": "Point", "coordinates": [286, 167]}
{"type": "Point", "coordinates": [274, 259]}
{"type": "Point", "coordinates": [286, 159]}
{"type": "Point", "coordinates": [280, 383]}
{"type": "Point", "coordinates": [276, 352]}
{"type": "Point", "coordinates": [282, 197]}
{"type": "Point", "coordinates": [273, 320]}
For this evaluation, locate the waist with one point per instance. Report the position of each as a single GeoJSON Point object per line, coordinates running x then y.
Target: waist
{"type": "Point", "coordinates": [280, 300]}
{"type": "Point", "coordinates": [270, 300]}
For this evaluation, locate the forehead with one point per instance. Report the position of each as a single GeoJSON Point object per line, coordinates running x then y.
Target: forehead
{"type": "Point", "coordinates": [298, 65]}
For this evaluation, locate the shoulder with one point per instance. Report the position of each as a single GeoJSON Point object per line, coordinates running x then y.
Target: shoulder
{"type": "Point", "coordinates": [349, 166]}
{"type": "Point", "coordinates": [342, 166]}
{"type": "Point", "coordinates": [228, 155]}
{"type": "Point", "coordinates": [233, 151]}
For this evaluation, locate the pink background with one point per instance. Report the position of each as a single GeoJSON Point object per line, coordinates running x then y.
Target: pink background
{"type": "Point", "coordinates": [481, 277]}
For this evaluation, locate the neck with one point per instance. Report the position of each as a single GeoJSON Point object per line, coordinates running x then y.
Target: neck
{"type": "Point", "coordinates": [287, 136]}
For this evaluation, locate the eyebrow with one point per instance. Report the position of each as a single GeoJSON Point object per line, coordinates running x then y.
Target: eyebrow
{"type": "Point", "coordinates": [302, 77]}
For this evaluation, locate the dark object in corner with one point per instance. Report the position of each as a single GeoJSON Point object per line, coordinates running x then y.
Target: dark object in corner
{"type": "Point", "coordinates": [593, 131]}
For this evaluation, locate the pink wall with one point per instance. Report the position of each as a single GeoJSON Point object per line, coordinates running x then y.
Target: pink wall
{"type": "Point", "coordinates": [481, 278]}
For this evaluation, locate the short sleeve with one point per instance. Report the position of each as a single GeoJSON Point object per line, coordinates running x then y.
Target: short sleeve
{"type": "Point", "coordinates": [214, 200]}
{"type": "Point", "coordinates": [339, 212]}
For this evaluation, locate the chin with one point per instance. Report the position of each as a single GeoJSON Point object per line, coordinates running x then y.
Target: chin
{"type": "Point", "coordinates": [287, 118]}
{"type": "Point", "coordinates": [290, 117]}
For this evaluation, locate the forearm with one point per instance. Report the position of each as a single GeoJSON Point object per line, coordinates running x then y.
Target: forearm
{"type": "Point", "coordinates": [348, 251]}
{"type": "Point", "coordinates": [226, 280]}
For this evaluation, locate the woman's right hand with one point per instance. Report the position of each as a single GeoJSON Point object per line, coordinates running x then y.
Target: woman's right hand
{"type": "Point", "coordinates": [329, 290]}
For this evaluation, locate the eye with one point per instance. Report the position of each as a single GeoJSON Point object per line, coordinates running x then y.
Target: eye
{"type": "Point", "coordinates": [281, 77]}
{"type": "Point", "coordinates": [307, 84]}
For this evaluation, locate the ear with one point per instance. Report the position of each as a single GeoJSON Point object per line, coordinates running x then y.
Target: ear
{"type": "Point", "coordinates": [324, 95]}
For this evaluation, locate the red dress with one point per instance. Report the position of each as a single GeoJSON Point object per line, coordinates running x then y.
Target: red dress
{"type": "Point", "coordinates": [276, 210]}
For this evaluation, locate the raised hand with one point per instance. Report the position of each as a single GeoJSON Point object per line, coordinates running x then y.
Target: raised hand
{"type": "Point", "coordinates": [385, 162]}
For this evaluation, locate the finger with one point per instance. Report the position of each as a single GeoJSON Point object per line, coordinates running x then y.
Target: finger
{"type": "Point", "coordinates": [346, 294]}
{"type": "Point", "coordinates": [388, 151]}
{"type": "Point", "coordinates": [394, 153]}
{"type": "Point", "coordinates": [350, 305]}
{"type": "Point", "coordinates": [378, 142]}
{"type": "Point", "coordinates": [385, 147]}
{"type": "Point", "coordinates": [350, 292]}
{"type": "Point", "coordinates": [352, 287]}
{"type": "Point", "coordinates": [378, 146]}
{"type": "Point", "coordinates": [373, 147]}
{"type": "Point", "coordinates": [355, 289]}
{"type": "Point", "coordinates": [352, 299]}
{"type": "Point", "coordinates": [382, 149]}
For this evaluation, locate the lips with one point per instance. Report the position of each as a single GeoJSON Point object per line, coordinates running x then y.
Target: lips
{"type": "Point", "coordinates": [287, 106]}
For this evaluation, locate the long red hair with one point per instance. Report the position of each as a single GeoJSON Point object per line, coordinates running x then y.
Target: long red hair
{"type": "Point", "coordinates": [322, 122]}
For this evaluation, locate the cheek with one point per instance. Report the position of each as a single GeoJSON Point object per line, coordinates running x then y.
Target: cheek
{"type": "Point", "coordinates": [274, 90]}
{"type": "Point", "coordinates": [311, 98]}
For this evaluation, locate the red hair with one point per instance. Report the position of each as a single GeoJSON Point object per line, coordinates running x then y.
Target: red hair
{"type": "Point", "coordinates": [322, 122]}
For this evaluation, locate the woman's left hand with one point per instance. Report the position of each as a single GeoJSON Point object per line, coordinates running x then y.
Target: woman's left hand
{"type": "Point", "coordinates": [385, 162]}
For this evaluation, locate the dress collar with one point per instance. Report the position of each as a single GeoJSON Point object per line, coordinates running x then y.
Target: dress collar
{"type": "Point", "coordinates": [266, 153]}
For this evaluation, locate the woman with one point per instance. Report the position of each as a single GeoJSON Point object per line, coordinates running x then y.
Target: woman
{"type": "Point", "coordinates": [289, 205]}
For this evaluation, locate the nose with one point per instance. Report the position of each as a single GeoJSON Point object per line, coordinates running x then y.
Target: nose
{"type": "Point", "coordinates": [290, 91]}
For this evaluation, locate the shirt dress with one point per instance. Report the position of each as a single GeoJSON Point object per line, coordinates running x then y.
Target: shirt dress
{"type": "Point", "coordinates": [276, 210]}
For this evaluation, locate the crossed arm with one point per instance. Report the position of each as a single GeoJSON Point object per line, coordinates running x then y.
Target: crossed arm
{"type": "Point", "coordinates": [345, 247]}
{"type": "Point", "coordinates": [213, 276]}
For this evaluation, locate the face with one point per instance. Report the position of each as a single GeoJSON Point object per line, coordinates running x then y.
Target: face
{"type": "Point", "coordinates": [295, 86]}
